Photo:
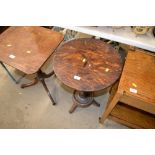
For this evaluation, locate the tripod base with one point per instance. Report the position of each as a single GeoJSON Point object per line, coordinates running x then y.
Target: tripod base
{"type": "Point", "coordinates": [82, 99]}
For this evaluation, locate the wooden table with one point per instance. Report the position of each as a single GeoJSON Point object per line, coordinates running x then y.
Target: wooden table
{"type": "Point", "coordinates": [27, 49]}
{"type": "Point", "coordinates": [86, 65]}
{"type": "Point", "coordinates": [133, 101]}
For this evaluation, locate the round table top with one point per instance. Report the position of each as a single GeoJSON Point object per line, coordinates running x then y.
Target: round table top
{"type": "Point", "coordinates": [87, 64]}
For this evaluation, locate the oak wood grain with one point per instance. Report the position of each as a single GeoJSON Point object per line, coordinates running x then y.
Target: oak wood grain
{"type": "Point", "coordinates": [139, 73]}
{"type": "Point", "coordinates": [139, 105]}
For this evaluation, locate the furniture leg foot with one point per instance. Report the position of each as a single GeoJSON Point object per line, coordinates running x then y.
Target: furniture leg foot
{"type": "Point", "coordinates": [100, 120]}
{"type": "Point", "coordinates": [74, 106]}
{"type": "Point", "coordinates": [110, 107]}
{"type": "Point", "coordinates": [35, 81]}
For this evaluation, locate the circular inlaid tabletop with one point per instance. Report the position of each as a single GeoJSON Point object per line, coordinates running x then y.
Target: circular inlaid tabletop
{"type": "Point", "coordinates": [87, 64]}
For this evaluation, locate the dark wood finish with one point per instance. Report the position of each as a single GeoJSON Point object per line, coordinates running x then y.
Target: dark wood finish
{"type": "Point", "coordinates": [31, 47]}
{"type": "Point", "coordinates": [35, 81]}
{"type": "Point", "coordinates": [96, 63]}
{"type": "Point", "coordinates": [153, 31]}
{"type": "Point", "coordinates": [132, 117]}
{"type": "Point", "coordinates": [82, 99]}
{"type": "Point", "coordinates": [3, 28]}
{"type": "Point", "coordinates": [138, 74]}
{"type": "Point", "coordinates": [41, 77]}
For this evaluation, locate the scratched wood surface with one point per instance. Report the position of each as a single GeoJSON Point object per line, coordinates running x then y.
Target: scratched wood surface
{"type": "Point", "coordinates": [87, 64]}
{"type": "Point", "coordinates": [27, 48]}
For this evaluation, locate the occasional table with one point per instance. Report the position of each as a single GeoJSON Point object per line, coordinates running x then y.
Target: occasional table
{"type": "Point", "coordinates": [27, 48]}
{"type": "Point", "coordinates": [86, 65]}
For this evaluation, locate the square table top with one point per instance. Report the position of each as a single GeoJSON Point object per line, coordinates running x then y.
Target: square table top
{"type": "Point", "coordinates": [138, 76]}
{"type": "Point", "coordinates": [26, 48]}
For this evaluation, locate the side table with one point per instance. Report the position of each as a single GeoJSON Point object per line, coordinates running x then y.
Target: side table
{"type": "Point", "coordinates": [86, 65]}
{"type": "Point", "coordinates": [27, 48]}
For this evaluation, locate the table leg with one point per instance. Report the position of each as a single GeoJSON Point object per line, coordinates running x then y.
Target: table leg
{"type": "Point", "coordinates": [74, 106]}
{"type": "Point", "coordinates": [109, 108]}
{"type": "Point", "coordinates": [96, 103]}
{"type": "Point", "coordinates": [41, 76]}
{"type": "Point", "coordinates": [47, 90]}
{"type": "Point", "coordinates": [113, 99]}
{"type": "Point", "coordinates": [82, 99]}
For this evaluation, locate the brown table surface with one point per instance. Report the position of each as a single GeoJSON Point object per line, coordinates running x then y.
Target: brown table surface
{"type": "Point", "coordinates": [27, 48]}
{"type": "Point", "coordinates": [102, 69]}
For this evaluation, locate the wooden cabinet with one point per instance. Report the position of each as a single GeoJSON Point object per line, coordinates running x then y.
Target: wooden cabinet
{"type": "Point", "coordinates": [135, 89]}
